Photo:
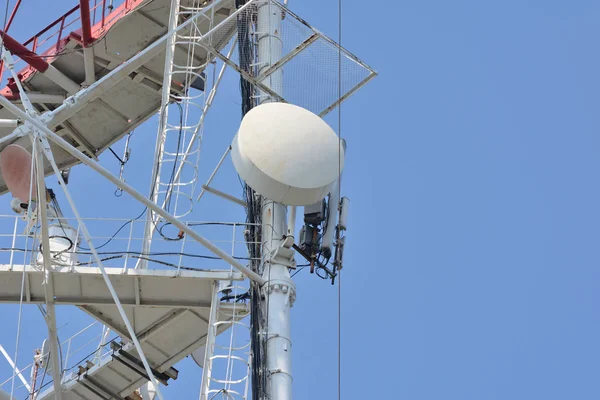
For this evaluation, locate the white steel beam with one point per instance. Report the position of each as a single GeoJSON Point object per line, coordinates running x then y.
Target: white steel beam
{"type": "Point", "coordinates": [61, 80]}
{"type": "Point", "coordinates": [46, 98]}
{"type": "Point", "coordinates": [224, 195]}
{"type": "Point", "coordinates": [210, 344]}
{"type": "Point", "coordinates": [50, 316]}
{"type": "Point", "coordinates": [17, 133]}
{"type": "Point", "coordinates": [15, 368]}
{"type": "Point", "coordinates": [210, 178]}
{"type": "Point", "coordinates": [9, 123]}
{"type": "Point", "coordinates": [88, 61]}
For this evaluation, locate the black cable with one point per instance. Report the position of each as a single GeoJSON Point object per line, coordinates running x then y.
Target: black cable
{"type": "Point", "coordinates": [237, 297]}
{"type": "Point", "coordinates": [339, 308]}
{"type": "Point", "coordinates": [154, 254]}
{"type": "Point", "coordinates": [172, 178]}
{"type": "Point", "coordinates": [146, 259]}
{"type": "Point", "coordinates": [56, 254]}
{"type": "Point", "coordinates": [253, 211]}
{"type": "Point", "coordinates": [117, 232]}
{"type": "Point", "coordinates": [299, 268]}
{"type": "Point", "coordinates": [116, 156]}
{"type": "Point", "coordinates": [92, 353]}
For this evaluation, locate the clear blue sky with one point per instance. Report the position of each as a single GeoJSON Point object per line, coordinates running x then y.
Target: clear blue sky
{"type": "Point", "coordinates": [472, 258]}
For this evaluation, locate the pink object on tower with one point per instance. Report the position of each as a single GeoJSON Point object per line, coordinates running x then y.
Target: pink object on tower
{"type": "Point", "coordinates": [15, 165]}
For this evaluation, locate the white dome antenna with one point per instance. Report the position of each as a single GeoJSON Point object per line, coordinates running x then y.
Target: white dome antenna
{"type": "Point", "coordinates": [287, 154]}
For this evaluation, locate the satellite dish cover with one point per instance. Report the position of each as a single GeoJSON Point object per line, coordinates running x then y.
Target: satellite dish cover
{"type": "Point", "coordinates": [46, 361]}
{"type": "Point", "coordinates": [15, 165]}
{"type": "Point", "coordinates": [148, 391]}
{"type": "Point", "coordinates": [198, 356]}
{"type": "Point", "coordinates": [287, 154]}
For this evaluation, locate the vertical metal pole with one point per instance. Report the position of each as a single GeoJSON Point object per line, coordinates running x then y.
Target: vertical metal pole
{"type": "Point", "coordinates": [210, 342]}
{"type": "Point", "coordinates": [86, 35]}
{"type": "Point", "coordinates": [279, 287]}
{"type": "Point", "coordinates": [60, 31]}
{"type": "Point", "coordinates": [94, 16]}
{"type": "Point", "coordinates": [103, 12]}
{"type": "Point", "coordinates": [48, 284]}
{"type": "Point", "coordinates": [14, 242]}
{"type": "Point", "coordinates": [103, 337]}
{"type": "Point", "coordinates": [68, 351]}
{"type": "Point", "coordinates": [162, 130]}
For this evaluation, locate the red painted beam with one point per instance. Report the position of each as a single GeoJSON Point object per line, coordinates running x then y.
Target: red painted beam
{"type": "Point", "coordinates": [86, 23]}
{"type": "Point", "coordinates": [12, 16]}
{"type": "Point", "coordinates": [24, 53]}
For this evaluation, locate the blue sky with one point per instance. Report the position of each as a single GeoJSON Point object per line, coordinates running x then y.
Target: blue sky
{"type": "Point", "coordinates": [472, 259]}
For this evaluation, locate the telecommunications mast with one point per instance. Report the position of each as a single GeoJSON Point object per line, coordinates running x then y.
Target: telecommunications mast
{"type": "Point", "coordinates": [142, 293]}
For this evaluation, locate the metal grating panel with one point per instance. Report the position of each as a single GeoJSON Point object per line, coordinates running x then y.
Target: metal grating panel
{"type": "Point", "coordinates": [310, 61]}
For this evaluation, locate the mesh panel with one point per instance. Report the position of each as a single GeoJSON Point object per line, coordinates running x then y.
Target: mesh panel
{"type": "Point", "coordinates": [310, 61]}
{"type": "Point", "coordinates": [311, 79]}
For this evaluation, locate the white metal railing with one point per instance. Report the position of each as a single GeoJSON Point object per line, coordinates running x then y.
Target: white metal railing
{"type": "Point", "coordinates": [119, 243]}
{"type": "Point", "coordinates": [85, 345]}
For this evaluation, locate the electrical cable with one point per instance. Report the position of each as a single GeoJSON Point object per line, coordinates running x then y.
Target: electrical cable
{"type": "Point", "coordinates": [171, 183]}
{"type": "Point", "coordinates": [339, 308]}
{"type": "Point", "coordinates": [253, 209]}
{"type": "Point", "coordinates": [116, 156]}
{"type": "Point", "coordinates": [117, 232]}
{"type": "Point", "coordinates": [135, 253]}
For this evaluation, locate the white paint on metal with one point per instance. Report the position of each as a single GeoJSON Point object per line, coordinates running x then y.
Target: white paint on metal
{"type": "Point", "coordinates": [62, 80]}
{"type": "Point", "coordinates": [291, 222]}
{"type": "Point", "coordinates": [279, 290]}
{"type": "Point", "coordinates": [15, 368]}
{"type": "Point", "coordinates": [50, 316]}
{"type": "Point", "coordinates": [286, 153]}
{"type": "Point", "coordinates": [9, 123]}
{"type": "Point", "coordinates": [148, 391]}
{"type": "Point", "coordinates": [198, 356]}
{"type": "Point", "coordinates": [210, 344]}
{"type": "Point", "coordinates": [212, 175]}
{"type": "Point", "coordinates": [89, 66]}
{"type": "Point", "coordinates": [84, 285]}
{"type": "Point", "coordinates": [224, 195]}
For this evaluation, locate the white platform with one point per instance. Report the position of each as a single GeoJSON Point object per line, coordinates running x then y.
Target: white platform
{"type": "Point", "coordinates": [168, 310]}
